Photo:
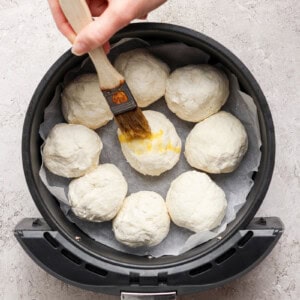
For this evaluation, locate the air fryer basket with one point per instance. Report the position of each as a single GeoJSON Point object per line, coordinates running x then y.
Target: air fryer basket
{"type": "Point", "coordinates": [114, 270]}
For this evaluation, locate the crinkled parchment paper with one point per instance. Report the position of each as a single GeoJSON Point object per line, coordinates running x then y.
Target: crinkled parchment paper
{"type": "Point", "coordinates": [236, 185]}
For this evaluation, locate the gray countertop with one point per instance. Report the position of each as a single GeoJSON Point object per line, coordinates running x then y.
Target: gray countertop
{"type": "Point", "coordinates": [263, 34]}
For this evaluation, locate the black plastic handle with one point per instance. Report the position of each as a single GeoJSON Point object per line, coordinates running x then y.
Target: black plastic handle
{"type": "Point", "coordinates": [50, 250]}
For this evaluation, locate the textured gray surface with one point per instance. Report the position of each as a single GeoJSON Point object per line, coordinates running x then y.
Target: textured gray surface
{"type": "Point", "coordinates": [263, 34]}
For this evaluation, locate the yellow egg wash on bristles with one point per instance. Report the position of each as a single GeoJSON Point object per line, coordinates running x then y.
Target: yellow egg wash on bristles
{"type": "Point", "coordinates": [154, 143]}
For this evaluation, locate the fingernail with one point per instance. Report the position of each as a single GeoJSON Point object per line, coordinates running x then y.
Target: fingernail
{"type": "Point", "coordinates": [79, 48]}
{"type": "Point", "coordinates": [106, 47]}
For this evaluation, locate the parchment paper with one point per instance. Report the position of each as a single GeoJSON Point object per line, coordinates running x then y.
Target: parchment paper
{"type": "Point", "coordinates": [236, 185]}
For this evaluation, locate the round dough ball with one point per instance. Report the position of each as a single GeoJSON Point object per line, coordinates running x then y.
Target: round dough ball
{"type": "Point", "coordinates": [98, 195]}
{"type": "Point", "coordinates": [143, 220]}
{"type": "Point", "coordinates": [195, 202]}
{"type": "Point", "coordinates": [83, 102]}
{"type": "Point", "coordinates": [71, 150]}
{"type": "Point", "coordinates": [217, 144]}
{"type": "Point", "coordinates": [156, 154]}
{"type": "Point", "coordinates": [196, 92]}
{"type": "Point", "coordinates": [145, 75]}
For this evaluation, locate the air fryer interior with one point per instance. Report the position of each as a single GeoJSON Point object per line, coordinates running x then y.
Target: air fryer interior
{"type": "Point", "coordinates": [49, 206]}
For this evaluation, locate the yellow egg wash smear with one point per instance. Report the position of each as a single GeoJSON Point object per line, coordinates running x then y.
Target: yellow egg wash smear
{"type": "Point", "coordinates": [152, 144]}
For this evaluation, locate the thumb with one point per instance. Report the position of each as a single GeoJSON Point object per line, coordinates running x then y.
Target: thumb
{"type": "Point", "coordinates": [100, 31]}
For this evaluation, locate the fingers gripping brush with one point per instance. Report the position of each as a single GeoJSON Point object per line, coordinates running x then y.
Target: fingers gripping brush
{"type": "Point", "coordinates": [128, 116]}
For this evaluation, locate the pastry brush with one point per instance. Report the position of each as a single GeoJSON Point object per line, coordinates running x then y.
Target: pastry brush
{"type": "Point", "coordinates": [128, 115]}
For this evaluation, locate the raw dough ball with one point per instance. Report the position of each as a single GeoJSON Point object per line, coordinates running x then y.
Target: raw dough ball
{"type": "Point", "coordinates": [157, 154]}
{"type": "Point", "coordinates": [145, 75]}
{"type": "Point", "coordinates": [143, 220]}
{"type": "Point", "coordinates": [195, 202]}
{"type": "Point", "coordinates": [217, 144]}
{"type": "Point", "coordinates": [71, 150]}
{"type": "Point", "coordinates": [98, 195]}
{"type": "Point", "coordinates": [83, 102]}
{"type": "Point", "coordinates": [196, 92]}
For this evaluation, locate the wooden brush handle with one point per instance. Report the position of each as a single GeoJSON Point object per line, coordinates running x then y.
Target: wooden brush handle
{"type": "Point", "coordinates": [79, 16]}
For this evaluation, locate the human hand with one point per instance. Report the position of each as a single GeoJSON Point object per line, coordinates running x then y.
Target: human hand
{"type": "Point", "coordinates": [110, 16]}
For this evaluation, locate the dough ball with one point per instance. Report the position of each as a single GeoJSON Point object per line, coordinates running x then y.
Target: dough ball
{"type": "Point", "coordinates": [83, 102]}
{"type": "Point", "coordinates": [156, 154]}
{"type": "Point", "coordinates": [196, 92]}
{"type": "Point", "coordinates": [71, 150]}
{"type": "Point", "coordinates": [143, 220]}
{"type": "Point", "coordinates": [217, 144]}
{"type": "Point", "coordinates": [195, 202]}
{"type": "Point", "coordinates": [98, 195]}
{"type": "Point", "coordinates": [145, 75]}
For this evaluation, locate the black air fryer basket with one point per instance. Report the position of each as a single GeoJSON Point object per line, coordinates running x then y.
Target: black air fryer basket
{"type": "Point", "coordinates": [64, 251]}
